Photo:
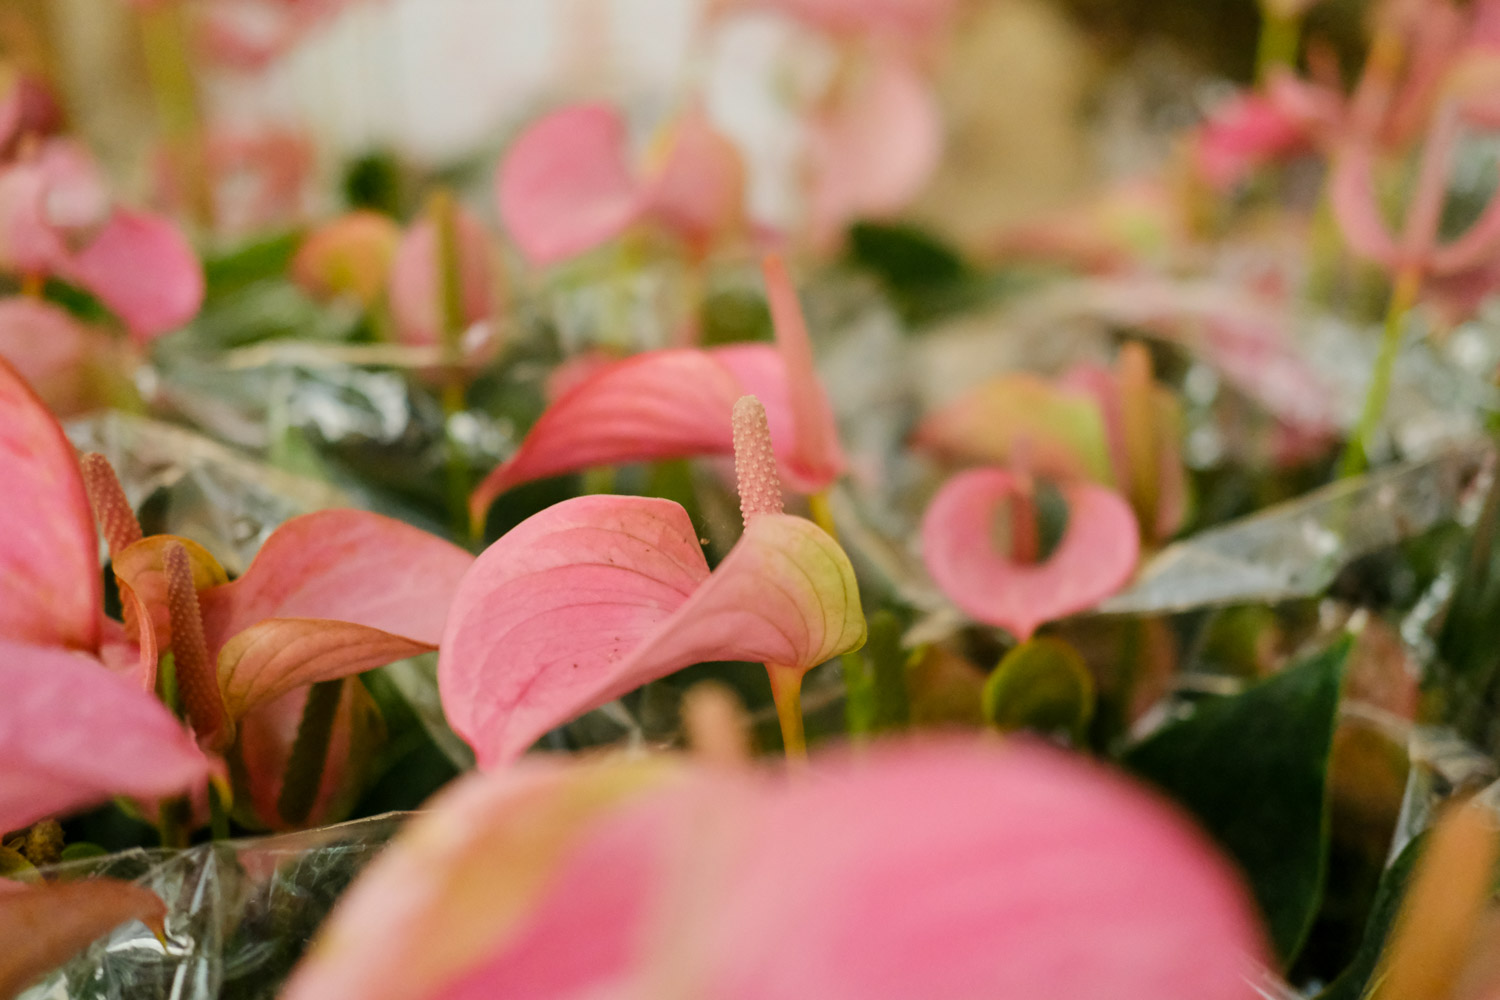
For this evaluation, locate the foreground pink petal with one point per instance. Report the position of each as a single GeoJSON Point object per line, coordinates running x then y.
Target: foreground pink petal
{"type": "Point", "coordinates": [49, 555]}
{"type": "Point", "coordinates": [1096, 556]}
{"type": "Point", "coordinates": [939, 871]}
{"type": "Point", "coordinates": [73, 734]}
{"type": "Point", "coordinates": [45, 925]}
{"type": "Point", "coordinates": [566, 186]}
{"type": "Point", "coordinates": [142, 268]}
{"type": "Point", "coordinates": [598, 595]}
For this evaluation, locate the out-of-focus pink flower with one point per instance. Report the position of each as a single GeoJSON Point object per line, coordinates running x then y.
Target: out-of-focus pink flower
{"type": "Point", "coordinates": [1243, 134]}
{"type": "Point", "coordinates": [1021, 872]}
{"type": "Point", "coordinates": [68, 363]}
{"type": "Point", "coordinates": [28, 108]}
{"type": "Point", "coordinates": [351, 255]}
{"type": "Point", "coordinates": [259, 177]}
{"type": "Point", "coordinates": [873, 147]}
{"type": "Point", "coordinates": [58, 220]}
{"type": "Point", "coordinates": [416, 290]}
{"type": "Point", "coordinates": [567, 185]}
{"type": "Point", "coordinates": [907, 21]}
{"type": "Point", "coordinates": [1016, 590]}
{"type": "Point", "coordinates": [248, 35]}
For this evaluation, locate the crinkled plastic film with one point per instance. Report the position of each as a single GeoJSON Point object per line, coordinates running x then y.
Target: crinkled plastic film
{"type": "Point", "coordinates": [240, 914]}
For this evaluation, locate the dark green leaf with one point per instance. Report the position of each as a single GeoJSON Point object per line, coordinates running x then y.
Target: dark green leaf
{"type": "Point", "coordinates": [875, 679]}
{"type": "Point", "coordinates": [1353, 981]}
{"type": "Point", "coordinates": [1041, 685]}
{"type": "Point", "coordinates": [1253, 768]}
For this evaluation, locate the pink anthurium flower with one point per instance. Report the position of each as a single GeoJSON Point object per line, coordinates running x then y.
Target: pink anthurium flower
{"type": "Point", "coordinates": [872, 147]}
{"type": "Point", "coordinates": [676, 403]}
{"type": "Point", "coordinates": [73, 735]}
{"type": "Point", "coordinates": [352, 255]}
{"type": "Point", "coordinates": [595, 596]}
{"type": "Point", "coordinates": [68, 363]}
{"type": "Point", "coordinates": [1016, 590]}
{"type": "Point", "coordinates": [1116, 428]}
{"type": "Point", "coordinates": [567, 185]}
{"type": "Point", "coordinates": [415, 289]}
{"type": "Point", "coordinates": [46, 924]}
{"type": "Point", "coordinates": [57, 220]}
{"type": "Point", "coordinates": [1022, 872]}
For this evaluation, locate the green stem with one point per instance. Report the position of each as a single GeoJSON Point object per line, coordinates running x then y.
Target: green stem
{"type": "Point", "coordinates": [786, 690]}
{"type": "Point", "coordinates": [443, 212]}
{"type": "Point", "coordinates": [304, 769]}
{"type": "Point", "coordinates": [175, 92]}
{"type": "Point", "coordinates": [172, 822]}
{"type": "Point", "coordinates": [1280, 38]}
{"type": "Point", "coordinates": [218, 817]}
{"type": "Point", "coordinates": [822, 513]}
{"type": "Point", "coordinates": [1403, 297]}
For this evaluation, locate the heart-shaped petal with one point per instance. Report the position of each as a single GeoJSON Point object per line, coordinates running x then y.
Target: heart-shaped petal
{"type": "Point", "coordinates": [49, 554]}
{"type": "Point", "coordinates": [278, 655]}
{"type": "Point", "coordinates": [1059, 428]}
{"type": "Point", "coordinates": [415, 292]}
{"type": "Point", "coordinates": [45, 925]}
{"type": "Point", "coordinates": [73, 734]}
{"type": "Point", "coordinates": [346, 565]}
{"type": "Point", "coordinates": [143, 268]}
{"type": "Point", "coordinates": [595, 596]}
{"type": "Point", "coordinates": [1095, 557]}
{"type": "Point", "coordinates": [566, 185]}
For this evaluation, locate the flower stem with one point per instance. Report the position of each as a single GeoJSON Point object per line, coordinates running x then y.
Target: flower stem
{"type": "Point", "coordinates": [786, 689]}
{"type": "Point", "coordinates": [451, 312]}
{"type": "Point", "coordinates": [1280, 37]}
{"type": "Point", "coordinates": [1403, 297]}
{"type": "Point", "coordinates": [822, 513]}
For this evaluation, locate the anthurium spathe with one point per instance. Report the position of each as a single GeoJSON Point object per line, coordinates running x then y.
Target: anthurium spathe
{"type": "Point", "coordinates": [915, 871]}
{"type": "Point", "coordinates": [676, 404]}
{"type": "Point", "coordinates": [1016, 588]}
{"type": "Point", "coordinates": [416, 283]}
{"type": "Point", "coordinates": [1117, 427]}
{"type": "Point", "coordinates": [349, 256]}
{"type": "Point", "coordinates": [568, 184]}
{"type": "Point", "coordinates": [595, 596]}
{"type": "Point", "coordinates": [57, 219]}
{"type": "Point", "coordinates": [73, 734]}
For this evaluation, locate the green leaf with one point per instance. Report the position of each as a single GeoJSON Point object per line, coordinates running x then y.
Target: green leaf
{"type": "Point", "coordinates": [1355, 979]}
{"type": "Point", "coordinates": [1042, 685]}
{"type": "Point", "coordinates": [925, 278]}
{"type": "Point", "coordinates": [875, 679]}
{"type": "Point", "coordinates": [1254, 769]}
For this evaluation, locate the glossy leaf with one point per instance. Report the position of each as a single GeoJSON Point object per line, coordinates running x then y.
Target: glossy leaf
{"type": "Point", "coordinates": [72, 734]}
{"type": "Point", "coordinates": [1254, 769]}
{"type": "Point", "coordinates": [596, 596]}
{"type": "Point", "coordinates": [1094, 558]}
{"type": "Point", "coordinates": [566, 186]}
{"type": "Point", "coordinates": [49, 555]}
{"type": "Point", "coordinates": [45, 925]}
